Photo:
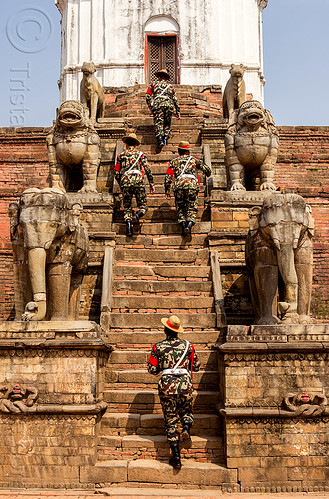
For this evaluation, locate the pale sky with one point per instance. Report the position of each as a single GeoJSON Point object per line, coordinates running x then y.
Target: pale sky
{"type": "Point", "coordinates": [296, 42]}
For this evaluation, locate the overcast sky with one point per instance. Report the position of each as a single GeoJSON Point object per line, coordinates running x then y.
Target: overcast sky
{"type": "Point", "coordinates": [296, 42]}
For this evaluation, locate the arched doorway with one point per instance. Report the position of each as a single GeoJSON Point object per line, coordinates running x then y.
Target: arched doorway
{"type": "Point", "coordinates": [161, 48]}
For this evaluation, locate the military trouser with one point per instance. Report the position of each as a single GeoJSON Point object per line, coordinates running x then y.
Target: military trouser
{"type": "Point", "coordinates": [176, 408]}
{"type": "Point", "coordinates": [127, 195]}
{"type": "Point", "coordinates": [162, 121]}
{"type": "Point", "coordinates": [186, 201]}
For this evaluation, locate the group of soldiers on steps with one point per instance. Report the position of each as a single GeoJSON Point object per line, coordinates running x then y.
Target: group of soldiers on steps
{"type": "Point", "coordinates": [132, 165]}
{"type": "Point", "coordinates": [173, 357]}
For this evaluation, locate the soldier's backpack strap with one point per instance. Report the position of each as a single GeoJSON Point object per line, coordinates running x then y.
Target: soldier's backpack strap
{"type": "Point", "coordinates": [130, 169]}
{"type": "Point", "coordinates": [182, 357]}
{"type": "Point", "coordinates": [185, 166]}
{"type": "Point", "coordinates": [162, 93]}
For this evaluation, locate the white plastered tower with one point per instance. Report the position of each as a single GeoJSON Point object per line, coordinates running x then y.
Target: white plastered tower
{"type": "Point", "coordinates": [128, 40]}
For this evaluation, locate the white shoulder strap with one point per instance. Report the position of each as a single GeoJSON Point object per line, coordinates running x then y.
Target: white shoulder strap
{"type": "Point", "coordinates": [182, 357]}
{"type": "Point", "coordinates": [186, 164]}
{"type": "Point", "coordinates": [163, 91]}
{"type": "Point", "coordinates": [135, 163]}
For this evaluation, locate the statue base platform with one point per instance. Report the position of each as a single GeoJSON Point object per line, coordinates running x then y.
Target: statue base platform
{"type": "Point", "coordinates": [52, 381]}
{"type": "Point", "coordinates": [275, 405]}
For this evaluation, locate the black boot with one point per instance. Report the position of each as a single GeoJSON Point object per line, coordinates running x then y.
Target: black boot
{"type": "Point", "coordinates": [188, 228]}
{"type": "Point", "coordinates": [139, 214]}
{"type": "Point", "coordinates": [186, 430]}
{"type": "Point", "coordinates": [160, 141]}
{"type": "Point", "coordinates": [129, 231]}
{"type": "Point", "coordinates": [165, 140]}
{"type": "Point", "coordinates": [183, 225]}
{"type": "Point", "coordinates": [175, 461]}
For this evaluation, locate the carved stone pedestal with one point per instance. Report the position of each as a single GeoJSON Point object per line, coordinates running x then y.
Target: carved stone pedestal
{"type": "Point", "coordinates": [275, 382]}
{"type": "Point", "coordinates": [51, 376]}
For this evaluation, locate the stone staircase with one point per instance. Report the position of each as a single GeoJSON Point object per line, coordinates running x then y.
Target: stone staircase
{"type": "Point", "coordinates": [158, 273]}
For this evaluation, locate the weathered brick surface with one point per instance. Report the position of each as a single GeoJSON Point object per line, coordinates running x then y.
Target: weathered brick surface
{"type": "Point", "coordinates": [279, 454]}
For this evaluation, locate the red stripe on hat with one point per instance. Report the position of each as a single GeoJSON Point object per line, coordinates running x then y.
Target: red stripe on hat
{"type": "Point", "coordinates": [184, 147]}
{"type": "Point", "coordinates": [170, 325]}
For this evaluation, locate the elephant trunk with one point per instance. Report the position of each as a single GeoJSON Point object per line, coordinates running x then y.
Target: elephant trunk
{"type": "Point", "coordinates": [36, 309]}
{"type": "Point", "coordinates": [286, 262]}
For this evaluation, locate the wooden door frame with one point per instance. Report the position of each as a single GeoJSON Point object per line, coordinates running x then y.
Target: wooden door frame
{"type": "Point", "coordinates": [162, 35]}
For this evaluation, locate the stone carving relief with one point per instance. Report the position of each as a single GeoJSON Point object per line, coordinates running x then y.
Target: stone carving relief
{"type": "Point", "coordinates": [18, 398]}
{"type": "Point", "coordinates": [234, 92]}
{"type": "Point", "coordinates": [50, 248]}
{"type": "Point", "coordinates": [279, 257]}
{"type": "Point", "coordinates": [92, 95]}
{"type": "Point", "coordinates": [306, 404]}
{"type": "Point", "coordinates": [251, 145]}
{"type": "Point", "coordinates": [73, 149]}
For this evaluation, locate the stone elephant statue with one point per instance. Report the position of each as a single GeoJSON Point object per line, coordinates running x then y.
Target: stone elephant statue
{"type": "Point", "coordinates": [50, 248]}
{"type": "Point", "coordinates": [279, 257]}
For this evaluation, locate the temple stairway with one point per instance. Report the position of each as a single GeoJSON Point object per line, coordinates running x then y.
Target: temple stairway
{"type": "Point", "coordinates": [158, 273]}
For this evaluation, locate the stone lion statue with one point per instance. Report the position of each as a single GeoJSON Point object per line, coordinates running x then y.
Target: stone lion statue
{"type": "Point", "coordinates": [251, 145]}
{"type": "Point", "coordinates": [92, 94]}
{"type": "Point", "coordinates": [235, 91]}
{"type": "Point", "coordinates": [73, 149]}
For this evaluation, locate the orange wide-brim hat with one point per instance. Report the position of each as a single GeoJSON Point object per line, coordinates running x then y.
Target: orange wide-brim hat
{"type": "Point", "coordinates": [173, 323]}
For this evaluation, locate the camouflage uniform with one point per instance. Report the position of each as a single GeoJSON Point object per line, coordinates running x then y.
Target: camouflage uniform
{"type": "Point", "coordinates": [162, 106]}
{"type": "Point", "coordinates": [175, 391]}
{"type": "Point", "coordinates": [186, 187]}
{"type": "Point", "coordinates": [132, 183]}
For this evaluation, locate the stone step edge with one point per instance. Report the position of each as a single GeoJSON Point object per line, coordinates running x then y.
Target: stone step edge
{"type": "Point", "coordinates": [138, 441]}
{"type": "Point", "coordinates": [153, 471]}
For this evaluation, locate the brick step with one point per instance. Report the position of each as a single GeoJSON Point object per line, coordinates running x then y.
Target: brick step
{"type": "Point", "coordinates": [148, 121]}
{"type": "Point", "coordinates": [147, 401]}
{"type": "Point", "coordinates": [149, 287]}
{"type": "Point", "coordinates": [162, 302]}
{"type": "Point", "coordinates": [114, 423]}
{"type": "Point", "coordinates": [137, 378]}
{"type": "Point", "coordinates": [198, 273]}
{"type": "Point", "coordinates": [203, 449]}
{"type": "Point", "coordinates": [131, 358]}
{"type": "Point", "coordinates": [164, 228]}
{"type": "Point", "coordinates": [152, 321]}
{"type": "Point", "coordinates": [195, 256]}
{"type": "Point", "coordinates": [166, 214]}
{"type": "Point", "coordinates": [147, 472]}
{"type": "Point", "coordinates": [144, 339]}
{"type": "Point", "coordinates": [138, 239]}
{"type": "Point", "coordinates": [167, 154]}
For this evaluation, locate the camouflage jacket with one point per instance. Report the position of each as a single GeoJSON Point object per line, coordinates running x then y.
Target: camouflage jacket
{"type": "Point", "coordinates": [165, 355]}
{"type": "Point", "coordinates": [136, 176]}
{"type": "Point", "coordinates": [185, 178]}
{"type": "Point", "coordinates": [161, 93]}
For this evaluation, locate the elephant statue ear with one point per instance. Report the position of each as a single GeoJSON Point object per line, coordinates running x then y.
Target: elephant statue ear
{"type": "Point", "coordinates": [253, 214]}
{"type": "Point", "coordinates": [310, 223]}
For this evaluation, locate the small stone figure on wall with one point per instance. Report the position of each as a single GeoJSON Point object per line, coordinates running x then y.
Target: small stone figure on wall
{"type": "Point", "coordinates": [50, 248]}
{"type": "Point", "coordinates": [184, 171]}
{"type": "Point", "coordinates": [92, 95]}
{"type": "Point", "coordinates": [18, 398]}
{"type": "Point", "coordinates": [73, 149]}
{"type": "Point", "coordinates": [129, 171]}
{"type": "Point", "coordinates": [279, 243]}
{"type": "Point", "coordinates": [251, 146]}
{"type": "Point", "coordinates": [234, 92]}
{"type": "Point", "coordinates": [161, 99]}
{"type": "Point", "coordinates": [306, 404]}
{"type": "Point", "coordinates": [176, 360]}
